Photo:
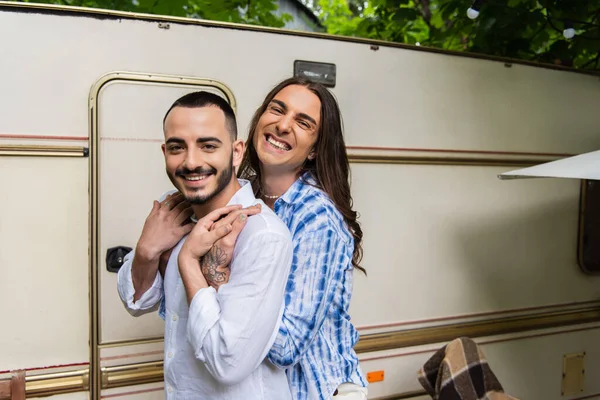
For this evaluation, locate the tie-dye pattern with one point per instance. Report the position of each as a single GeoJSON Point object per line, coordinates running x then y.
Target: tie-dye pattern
{"type": "Point", "coordinates": [316, 338]}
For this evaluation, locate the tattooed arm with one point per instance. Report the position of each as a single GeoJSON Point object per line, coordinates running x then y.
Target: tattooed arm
{"type": "Point", "coordinates": [208, 237]}
{"type": "Point", "coordinates": [215, 266]}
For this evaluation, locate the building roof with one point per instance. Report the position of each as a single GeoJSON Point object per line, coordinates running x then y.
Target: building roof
{"type": "Point", "coordinates": [309, 13]}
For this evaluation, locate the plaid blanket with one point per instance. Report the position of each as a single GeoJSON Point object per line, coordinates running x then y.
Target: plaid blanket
{"type": "Point", "coordinates": [459, 371]}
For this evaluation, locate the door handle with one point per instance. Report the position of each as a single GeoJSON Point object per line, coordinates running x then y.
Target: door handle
{"type": "Point", "coordinates": [115, 257]}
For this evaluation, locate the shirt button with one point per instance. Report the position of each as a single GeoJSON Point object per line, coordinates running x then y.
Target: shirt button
{"type": "Point", "coordinates": [170, 389]}
{"type": "Point", "coordinates": [170, 354]}
{"type": "Point", "coordinates": [174, 317]}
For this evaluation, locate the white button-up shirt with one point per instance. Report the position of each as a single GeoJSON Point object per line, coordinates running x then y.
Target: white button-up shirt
{"type": "Point", "coordinates": [216, 348]}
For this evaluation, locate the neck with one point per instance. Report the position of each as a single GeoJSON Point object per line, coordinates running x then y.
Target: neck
{"type": "Point", "coordinates": [276, 183]}
{"type": "Point", "coordinates": [220, 200]}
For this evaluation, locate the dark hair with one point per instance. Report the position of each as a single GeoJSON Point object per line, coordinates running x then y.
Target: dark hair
{"type": "Point", "coordinates": [207, 99]}
{"type": "Point", "coordinates": [330, 168]}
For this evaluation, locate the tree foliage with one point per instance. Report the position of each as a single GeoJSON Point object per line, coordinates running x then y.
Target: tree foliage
{"type": "Point", "coordinates": [522, 29]}
{"type": "Point", "coordinates": [254, 12]}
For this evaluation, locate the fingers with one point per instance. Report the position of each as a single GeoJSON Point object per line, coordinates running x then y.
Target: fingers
{"type": "Point", "coordinates": [236, 227]}
{"type": "Point", "coordinates": [171, 201]}
{"type": "Point", "coordinates": [155, 209]}
{"type": "Point", "coordinates": [229, 233]}
{"type": "Point", "coordinates": [236, 221]}
{"type": "Point", "coordinates": [228, 220]}
{"type": "Point", "coordinates": [218, 233]}
{"type": "Point", "coordinates": [176, 207]}
{"type": "Point", "coordinates": [185, 229]}
{"type": "Point", "coordinates": [240, 221]}
{"type": "Point", "coordinates": [200, 242]}
{"type": "Point", "coordinates": [253, 210]}
{"type": "Point", "coordinates": [233, 216]}
{"type": "Point", "coordinates": [182, 205]}
{"type": "Point", "coordinates": [184, 215]}
{"type": "Point", "coordinates": [211, 217]}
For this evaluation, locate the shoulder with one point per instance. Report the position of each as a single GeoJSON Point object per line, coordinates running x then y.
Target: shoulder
{"type": "Point", "coordinates": [315, 211]}
{"type": "Point", "coordinates": [165, 194]}
{"type": "Point", "coordinates": [265, 224]}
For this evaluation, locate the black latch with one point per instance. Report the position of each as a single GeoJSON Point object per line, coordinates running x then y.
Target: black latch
{"type": "Point", "coordinates": [115, 257]}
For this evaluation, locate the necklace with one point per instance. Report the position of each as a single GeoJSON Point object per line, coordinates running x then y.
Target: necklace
{"type": "Point", "coordinates": [266, 196]}
{"type": "Point", "coordinates": [270, 197]}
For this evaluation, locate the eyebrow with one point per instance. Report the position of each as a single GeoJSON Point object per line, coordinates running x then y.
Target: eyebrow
{"type": "Point", "coordinates": [301, 115]}
{"type": "Point", "coordinates": [175, 140]}
{"type": "Point", "coordinates": [208, 139]}
{"type": "Point", "coordinates": [199, 140]}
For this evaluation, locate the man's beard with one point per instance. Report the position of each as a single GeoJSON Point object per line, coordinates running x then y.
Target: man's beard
{"type": "Point", "coordinates": [223, 179]}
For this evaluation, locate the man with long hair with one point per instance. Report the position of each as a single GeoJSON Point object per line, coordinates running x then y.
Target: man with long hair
{"type": "Point", "coordinates": [296, 160]}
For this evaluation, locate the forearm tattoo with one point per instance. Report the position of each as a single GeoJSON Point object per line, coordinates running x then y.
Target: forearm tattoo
{"type": "Point", "coordinates": [209, 264]}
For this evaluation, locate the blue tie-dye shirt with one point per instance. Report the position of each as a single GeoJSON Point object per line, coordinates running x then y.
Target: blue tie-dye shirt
{"type": "Point", "coordinates": [316, 338]}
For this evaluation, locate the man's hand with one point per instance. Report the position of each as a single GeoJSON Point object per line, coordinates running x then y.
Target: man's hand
{"type": "Point", "coordinates": [215, 264]}
{"type": "Point", "coordinates": [164, 227]}
{"type": "Point", "coordinates": [202, 244]}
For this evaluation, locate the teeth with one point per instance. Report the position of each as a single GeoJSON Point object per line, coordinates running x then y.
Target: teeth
{"type": "Point", "coordinates": [195, 178]}
{"type": "Point", "coordinates": [277, 144]}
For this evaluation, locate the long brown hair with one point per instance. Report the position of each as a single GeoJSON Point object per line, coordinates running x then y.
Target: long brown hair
{"type": "Point", "coordinates": [330, 168]}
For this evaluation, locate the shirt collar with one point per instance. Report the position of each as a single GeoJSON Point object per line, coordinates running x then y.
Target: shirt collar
{"type": "Point", "coordinates": [243, 196]}
{"type": "Point", "coordinates": [295, 191]}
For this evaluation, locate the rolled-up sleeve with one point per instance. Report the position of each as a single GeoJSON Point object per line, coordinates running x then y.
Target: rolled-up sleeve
{"type": "Point", "coordinates": [232, 330]}
{"type": "Point", "coordinates": [149, 300]}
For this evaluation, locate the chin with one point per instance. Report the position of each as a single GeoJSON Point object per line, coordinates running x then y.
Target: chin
{"type": "Point", "coordinates": [190, 194]}
{"type": "Point", "coordinates": [199, 198]}
{"type": "Point", "coordinates": [271, 159]}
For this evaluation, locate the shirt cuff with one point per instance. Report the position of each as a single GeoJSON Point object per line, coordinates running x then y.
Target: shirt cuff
{"type": "Point", "coordinates": [203, 315]}
{"type": "Point", "coordinates": [127, 291]}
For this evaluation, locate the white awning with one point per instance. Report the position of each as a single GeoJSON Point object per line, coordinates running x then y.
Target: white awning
{"type": "Point", "coordinates": [582, 166]}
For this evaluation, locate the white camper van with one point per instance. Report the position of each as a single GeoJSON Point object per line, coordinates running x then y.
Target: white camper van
{"type": "Point", "coordinates": [450, 250]}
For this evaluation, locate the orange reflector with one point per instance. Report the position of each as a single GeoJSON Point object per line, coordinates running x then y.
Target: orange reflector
{"type": "Point", "coordinates": [375, 376]}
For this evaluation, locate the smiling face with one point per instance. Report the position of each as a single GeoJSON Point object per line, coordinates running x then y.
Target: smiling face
{"type": "Point", "coordinates": [199, 152]}
{"type": "Point", "coordinates": [287, 131]}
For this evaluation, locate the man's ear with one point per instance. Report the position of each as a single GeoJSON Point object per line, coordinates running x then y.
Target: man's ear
{"type": "Point", "coordinates": [238, 152]}
{"type": "Point", "coordinates": [164, 148]}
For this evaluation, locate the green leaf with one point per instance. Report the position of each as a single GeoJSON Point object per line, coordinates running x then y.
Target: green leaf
{"type": "Point", "coordinates": [514, 3]}
{"type": "Point", "coordinates": [404, 15]}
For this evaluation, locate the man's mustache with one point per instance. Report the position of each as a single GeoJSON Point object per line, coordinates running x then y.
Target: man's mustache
{"type": "Point", "coordinates": [199, 171]}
